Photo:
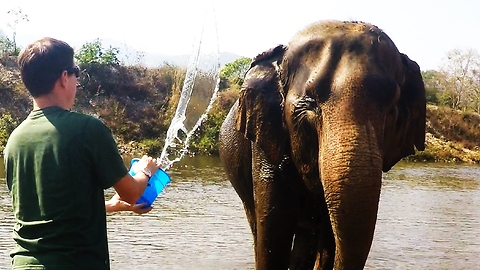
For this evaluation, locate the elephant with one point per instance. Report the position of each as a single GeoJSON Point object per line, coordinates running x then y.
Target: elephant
{"type": "Point", "coordinates": [316, 124]}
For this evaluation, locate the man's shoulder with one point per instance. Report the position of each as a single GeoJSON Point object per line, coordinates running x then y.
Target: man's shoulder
{"type": "Point", "coordinates": [80, 115]}
{"type": "Point", "coordinates": [89, 120]}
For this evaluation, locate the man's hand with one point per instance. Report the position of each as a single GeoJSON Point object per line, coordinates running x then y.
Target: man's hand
{"type": "Point", "coordinates": [116, 204]}
{"type": "Point", "coordinates": [147, 165]}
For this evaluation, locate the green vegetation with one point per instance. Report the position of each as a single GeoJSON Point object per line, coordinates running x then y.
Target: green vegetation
{"type": "Point", "coordinates": [138, 103]}
{"type": "Point", "coordinates": [233, 73]}
{"type": "Point", "coordinates": [7, 125]}
{"type": "Point", "coordinates": [7, 47]}
{"type": "Point", "coordinates": [94, 53]}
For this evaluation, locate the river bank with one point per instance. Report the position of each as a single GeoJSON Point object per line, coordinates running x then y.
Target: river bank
{"type": "Point", "coordinates": [452, 136]}
{"type": "Point", "coordinates": [438, 150]}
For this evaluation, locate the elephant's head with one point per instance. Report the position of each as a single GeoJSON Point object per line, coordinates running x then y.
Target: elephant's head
{"type": "Point", "coordinates": [343, 104]}
{"type": "Point", "coordinates": [362, 76]}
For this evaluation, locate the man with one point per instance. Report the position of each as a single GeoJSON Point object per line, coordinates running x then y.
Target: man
{"type": "Point", "coordinates": [58, 164]}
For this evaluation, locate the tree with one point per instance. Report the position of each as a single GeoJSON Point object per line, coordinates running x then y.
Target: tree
{"type": "Point", "coordinates": [434, 85]}
{"type": "Point", "coordinates": [18, 16]}
{"type": "Point", "coordinates": [7, 48]}
{"type": "Point", "coordinates": [462, 79]}
{"type": "Point", "coordinates": [94, 53]}
{"type": "Point", "coordinates": [235, 71]}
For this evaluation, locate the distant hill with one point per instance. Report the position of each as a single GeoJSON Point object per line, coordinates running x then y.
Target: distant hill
{"type": "Point", "coordinates": [155, 60]}
{"type": "Point", "coordinates": [131, 56]}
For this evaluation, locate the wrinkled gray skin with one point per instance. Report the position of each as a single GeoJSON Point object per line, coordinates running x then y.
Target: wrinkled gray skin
{"type": "Point", "coordinates": [305, 145]}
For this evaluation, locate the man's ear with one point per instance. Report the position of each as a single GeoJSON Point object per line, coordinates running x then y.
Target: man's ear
{"type": "Point", "coordinates": [63, 79]}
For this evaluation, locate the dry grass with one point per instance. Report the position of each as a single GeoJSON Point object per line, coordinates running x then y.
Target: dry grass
{"type": "Point", "coordinates": [227, 98]}
{"type": "Point", "coordinates": [451, 125]}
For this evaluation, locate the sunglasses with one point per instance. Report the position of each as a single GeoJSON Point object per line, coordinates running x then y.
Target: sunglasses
{"type": "Point", "coordinates": [73, 70]}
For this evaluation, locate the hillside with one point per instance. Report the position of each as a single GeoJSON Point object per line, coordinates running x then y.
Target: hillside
{"type": "Point", "coordinates": [153, 60]}
{"type": "Point", "coordinates": [131, 56]}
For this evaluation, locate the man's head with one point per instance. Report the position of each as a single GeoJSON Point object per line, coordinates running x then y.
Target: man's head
{"type": "Point", "coordinates": [43, 62]}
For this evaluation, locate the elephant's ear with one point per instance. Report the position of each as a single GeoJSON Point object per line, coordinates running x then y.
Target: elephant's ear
{"type": "Point", "coordinates": [405, 123]}
{"type": "Point", "coordinates": [260, 116]}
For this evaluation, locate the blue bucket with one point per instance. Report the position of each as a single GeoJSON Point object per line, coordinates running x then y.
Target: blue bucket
{"type": "Point", "coordinates": [155, 185]}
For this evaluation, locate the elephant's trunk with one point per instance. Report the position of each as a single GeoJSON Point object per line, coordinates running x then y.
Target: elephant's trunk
{"type": "Point", "coordinates": [350, 164]}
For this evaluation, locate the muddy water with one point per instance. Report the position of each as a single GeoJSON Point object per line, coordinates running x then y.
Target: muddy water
{"type": "Point", "coordinates": [429, 218]}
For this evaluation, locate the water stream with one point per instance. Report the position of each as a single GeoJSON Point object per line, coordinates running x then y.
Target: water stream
{"type": "Point", "coordinates": [202, 74]}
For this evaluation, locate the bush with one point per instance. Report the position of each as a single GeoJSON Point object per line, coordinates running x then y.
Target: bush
{"type": "Point", "coordinates": [226, 99]}
{"type": "Point", "coordinates": [94, 53]}
{"type": "Point", "coordinates": [205, 140]}
{"type": "Point", "coordinates": [152, 147]}
{"type": "Point", "coordinates": [7, 125]}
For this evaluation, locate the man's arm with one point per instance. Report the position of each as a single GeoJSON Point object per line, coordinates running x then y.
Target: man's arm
{"type": "Point", "coordinates": [116, 204]}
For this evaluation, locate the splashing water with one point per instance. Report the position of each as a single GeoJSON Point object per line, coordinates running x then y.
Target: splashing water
{"type": "Point", "coordinates": [181, 129]}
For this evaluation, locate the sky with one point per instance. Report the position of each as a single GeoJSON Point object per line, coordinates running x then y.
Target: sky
{"type": "Point", "coordinates": [425, 30]}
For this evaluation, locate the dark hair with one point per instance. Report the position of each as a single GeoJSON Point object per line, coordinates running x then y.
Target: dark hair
{"type": "Point", "coordinates": [42, 62]}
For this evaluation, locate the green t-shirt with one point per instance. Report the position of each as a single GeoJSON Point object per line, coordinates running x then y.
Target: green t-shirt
{"type": "Point", "coordinates": [57, 165]}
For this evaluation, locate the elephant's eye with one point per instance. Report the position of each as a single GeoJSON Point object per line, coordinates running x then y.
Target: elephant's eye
{"type": "Point", "coordinates": [308, 103]}
{"type": "Point", "coordinates": [305, 104]}
{"type": "Point", "coordinates": [306, 110]}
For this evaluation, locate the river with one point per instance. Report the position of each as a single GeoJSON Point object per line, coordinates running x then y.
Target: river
{"type": "Point", "coordinates": [429, 218]}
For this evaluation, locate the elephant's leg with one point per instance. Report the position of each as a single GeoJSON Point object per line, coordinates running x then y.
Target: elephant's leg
{"type": "Point", "coordinates": [275, 215]}
{"type": "Point", "coordinates": [314, 243]}
{"type": "Point", "coordinates": [310, 232]}
{"type": "Point", "coordinates": [326, 246]}
{"type": "Point", "coordinates": [304, 248]}
{"type": "Point", "coordinates": [250, 213]}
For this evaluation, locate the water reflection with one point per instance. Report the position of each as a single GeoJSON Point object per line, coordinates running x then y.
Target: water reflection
{"type": "Point", "coordinates": [435, 176]}
{"type": "Point", "coordinates": [428, 219]}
